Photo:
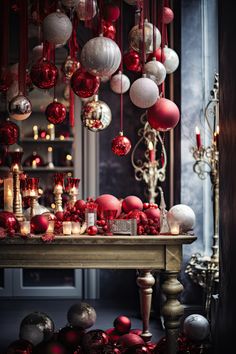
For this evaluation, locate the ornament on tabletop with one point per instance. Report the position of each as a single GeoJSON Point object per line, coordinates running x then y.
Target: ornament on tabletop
{"type": "Point", "coordinates": [168, 15]}
{"type": "Point", "coordinates": [84, 84]}
{"type": "Point", "coordinates": [85, 12]}
{"type": "Point", "coordinates": [111, 349]}
{"type": "Point", "coordinates": [39, 224]}
{"type": "Point", "coordinates": [9, 222]}
{"type": "Point", "coordinates": [94, 340]}
{"type": "Point", "coordinates": [81, 315]}
{"type": "Point", "coordinates": [122, 324]}
{"type": "Point", "coordinates": [57, 28]}
{"type": "Point", "coordinates": [138, 349]}
{"type": "Point", "coordinates": [163, 115]}
{"type": "Point", "coordinates": [108, 202]}
{"type": "Point", "coordinates": [132, 61]}
{"type": "Point", "coordinates": [113, 335]}
{"type": "Point", "coordinates": [55, 112]}
{"type": "Point", "coordinates": [135, 37]}
{"type": "Point", "coordinates": [70, 337]}
{"type": "Point", "coordinates": [120, 83]}
{"type": "Point", "coordinates": [9, 133]}
{"type": "Point", "coordinates": [143, 92]}
{"type": "Point", "coordinates": [155, 71]}
{"type": "Point", "coordinates": [70, 3]}
{"type": "Point", "coordinates": [96, 115]}
{"type": "Point", "coordinates": [171, 61]}
{"type": "Point", "coordinates": [19, 108]}
{"type": "Point", "coordinates": [184, 216]}
{"type": "Point", "coordinates": [101, 56]}
{"type": "Point", "coordinates": [108, 30]}
{"type": "Point", "coordinates": [121, 145]}
{"type": "Point", "coordinates": [44, 74]}
{"type": "Point", "coordinates": [111, 12]}
{"type": "Point", "coordinates": [132, 202]}
{"type": "Point", "coordinates": [20, 347]}
{"type": "Point", "coordinates": [40, 320]}
{"type": "Point", "coordinates": [69, 66]}
{"type": "Point", "coordinates": [92, 230]}
{"type": "Point", "coordinates": [196, 327]}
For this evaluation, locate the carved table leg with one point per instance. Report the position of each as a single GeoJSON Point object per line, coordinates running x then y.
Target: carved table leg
{"type": "Point", "coordinates": [145, 281]}
{"type": "Point", "coordinates": [172, 310]}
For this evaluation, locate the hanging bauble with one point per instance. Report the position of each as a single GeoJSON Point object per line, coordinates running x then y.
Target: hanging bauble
{"type": "Point", "coordinates": [32, 334]}
{"type": "Point", "coordinates": [183, 215]}
{"type": "Point", "coordinates": [132, 61]}
{"type": "Point", "coordinates": [55, 112]}
{"type": "Point", "coordinates": [101, 56]}
{"type": "Point", "coordinates": [158, 54]}
{"type": "Point", "coordinates": [111, 12]}
{"type": "Point", "coordinates": [168, 15]}
{"type": "Point", "coordinates": [70, 3]}
{"type": "Point", "coordinates": [20, 346]}
{"type": "Point", "coordinates": [104, 79]}
{"type": "Point", "coordinates": [143, 92]}
{"type": "Point", "coordinates": [85, 12]}
{"type": "Point", "coordinates": [81, 315]}
{"type": "Point", "coordinates": [121, 145]}
{"type": "Point", "coordinates": [39, 224]}
{"type": "Point", "coordinates": [163, 115]}
{"type": "Point", "coordinates": [171, 62]}
{"type": "Point", "coordinates": [129, 340]}
{"type": "Point", "coordinates": [69, 66]}
{"type": "Point", "coordinates": [132, 202]}
{"type": "Point", "coordinates": [108, 202]}
{"type": "Point", "coordinates": [196, 327]}
{"type": "Point", "coordinates": [19, 108]}
{"type": "Point", "coordinates": [40, 320]}
{"type": "Point", "coordinates": [57, 28]}
{"type": "Point", "coordinates": [8, 221]}
{"type": "Point", "coordinates": [135, 37]}
{"type": "Point", "coordinates": [155, 71]}
{"type": "Point", "coordinates": [96, 115]}
{"type": "Point", "coordinates": [122, 324]}
{"type": "Point", "coordinates": [5, 81]}
{"type": "Point", "coordinates": [70, 337]}
{"type": "Point", "coordinates": [108, 30]}
{"type": "Point", "coordinates": [120, 83]}
{"type": "Point", "coordinates": [9, 133]}
{"type": "Point", "coordinates": [44, 74]}
{"type": "Point", "coordinates": [94, 340]}
{"type": "Point", "coordinates": [84, 84]}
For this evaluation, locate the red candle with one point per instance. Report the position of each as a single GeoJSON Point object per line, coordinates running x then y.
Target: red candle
{"type": "Point", "coordinates": [198, 137]}
{"type": "Point", "coordinates": [151, 152]}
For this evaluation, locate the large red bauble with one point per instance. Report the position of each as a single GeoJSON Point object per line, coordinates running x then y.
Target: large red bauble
{"type": "Point", "coordinates": [70, 337]}
{"type": "Point", "coordinates": [121, 145]}
{"type": "Point", "coordinates": [113, 335]}
{"type": "Point", "coordinates": [158, 54]}
{"type": "Point", "coordinates": [132, 202]}
{"type": "Point", "coordinates": [94, 340]}
{"type": "Point", "coordinates": [44, 74]}
{"type": "Point", "coordinates": [138, 215]}
{"type": "Point", "coordinates": [80, 205]}
{"type": "Point", "coordinates": [55, 112]}
{"type": "Point", "coordinates": [8, 221]}
{"type": "Point", "coordinates": [59, 215]}
{"type": "Point", "coordinates": [108, 202]}
{"type": "Point", "coordinates": [122, 324]}
{"type": "Point", "coordinates": [168, 15]}
{"type": "Point", "coordinates": [111, 12]}
{"type": "Point", "coordinates": [108, 30]}
{"type": "Point", "coordinates": [163, 115]}
{"type": "Point", "coordinates": [129, 340]}
{"type": "Point", "coordinates": [20, 347]}
{"type": "Point", "coordinates": [132, 61]}
{"type": "Point", "coordinates": [84, 84]}
{"type": "Point", "coordinates": [152, 213]}
{"type": "Point", "coordinates": [39, 224]}
{"type": "Point", "coordinates": [9, 133]}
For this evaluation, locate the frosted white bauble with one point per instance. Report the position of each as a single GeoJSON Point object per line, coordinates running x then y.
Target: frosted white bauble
{"type": "Point", "coordinates": [70, 3]}
{"type": "Point", "coordinates": [120, 83]}
{"type": "Point", "coordinates": [196, 327]}
{"type": "Point", "coordinates": [57, 28]}
{"type": "Point", "coordinates": [171, 62]}
{"type": "Point", "coordinates": [155, 71]}
{"type": "Point", "coordinates": [85, 12]}
{"type": "Point", "coordinates": [101, 56]}
{"type": "Point", "coordinates": [184, 215]}
{"type": "Point", "coordinates": [143, 92]}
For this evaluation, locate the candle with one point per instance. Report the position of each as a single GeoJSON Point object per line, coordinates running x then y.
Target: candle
{"type": "Point", "coordinates": [67, 227]}
{"type": "Point", "coordinates": [8, 194]}
{"type": "Point", "coordinates": [25, 228]}
{"type": "Point", "coordinates": [174, 229]}
{"type": "Point", "coordinates": [51, 131]}
{"type": "Point", "coordinates": [34, 164]}
{"type": "Point", "coordinates": [151, 152]}
{"type": "Point", "coordinates": [36, 132]}
{"type": "Point", "coordinates": [50, 228]}
{"type": "Point", "coordinates": [75, 227]}
{"type": "Point", "coordinates": [216, 137]}
{"type": "Point", "coordinates": [50, 162]}
{"type": "Point", "coordinates": [198, 138]}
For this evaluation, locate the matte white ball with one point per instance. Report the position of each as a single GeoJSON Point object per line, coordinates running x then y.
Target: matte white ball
{"type": "Point", "coordinates": [144, 92]}
{"type": "Point", "coordinates": [57, 28]}
{"type": "Point", "coordinates": [171, 62]}
{"type": "Point", "coordinates": [155, 71]}
{"type": "Point", "coordinates": [120, 83]}
{"type": "Point", "coordinates": [85, 12]}
{"type": "Point", "coordinates": [101, 56]}
{"type": "Point", "coordinates": [135, 37]}
{"type": "Point", "coordinates": [70, 3]}
{"type": "Point", "coordinates": [196, 327]}
{"type": "Point", "coordinates": [184, 215]}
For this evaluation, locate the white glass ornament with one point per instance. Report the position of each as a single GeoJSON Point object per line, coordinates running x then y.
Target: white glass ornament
{"type": "Point", "coordinates": [101, 56]}
{"type": "Point", "coordinates": [171, 62]}
{"type": "Point", "coordinates": [196, 327]}
{"type": "Point", "coordinates": [135, 37]}
{"type": "Point", "coordinates": [155, 71]}
{"type": "Point", "coordinates": [19, 107]}
{"type": "Point", "coordinates": [85, 12]}
{"type": "Point", "coordinates": [57, 28]}
{"type": "Point", "coordinates": [144, 92]}
{"type": "Point", "coordinates": [70, 3]}
{"type": "Point", "coordinates": [120, 83]}
{"type": "Point", "coordinates": [184, 215]}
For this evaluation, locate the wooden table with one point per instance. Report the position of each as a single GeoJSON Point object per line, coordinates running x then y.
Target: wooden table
{"type": "Point", "coordinates": [143, 253]}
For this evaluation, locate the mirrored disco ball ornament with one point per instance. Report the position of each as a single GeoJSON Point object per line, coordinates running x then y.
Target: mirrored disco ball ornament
{"type": "Point", "coordinates": [143, 92]}
{"type": "Point", "coordinates": [19, 107]}
{"type": "Point", "coordinates": [81, 315]}
{"type": "Point", "coordinates": [196, 327]}
{"type": "Point", "coordinates": [171, 62]}
{"type": "Point", "coordinates": [85, 12]}
{"type": "Point", "coordinates": [120, 145]}
{"type": "Point", "coordinates": [135, 37]}
{"type": "Point", "coordinates": [39, 320]}
{"type": "Point", "coordinates": [101, 56]}
{"type": "Point", "coordinates": [57, 28]}
{"type": "Point", "coordinates": [96, 115]}
{"type": "Point", "coordinates": [155, 71]}
{"type": "Point", "coordinates": [120, 83]}
{"type": "Point", "coordinates": [183, 215]}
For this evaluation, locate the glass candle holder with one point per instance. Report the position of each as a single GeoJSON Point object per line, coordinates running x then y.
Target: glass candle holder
{"type": "Point", "coordinates": [25, 228]}
{"type": "Point", "coordinates": [173, 225]}
{"type": "Point", "coordinates": [67, 227]}
{"type": "Point", "coordinates": [75, 227]}
{"type": "Point", "coordinates": [50, 228]}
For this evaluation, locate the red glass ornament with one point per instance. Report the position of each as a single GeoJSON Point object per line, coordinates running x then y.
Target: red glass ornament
{"type": "Point", "coordinates": [113, 334]}
{"type": "Point", "coordinates": [51, 347]}
{"type": "Point", "coordinates": [158, 54]}
{"type": "Point", "coordinates": [39, 224]}
{"type": "Point", "coordinates": [168, 15]}
{"type": "Point", "coordinates": [132, 202]}
{"type": "Point", "coordinates": [80, 205]}
{"type": "Point", "coordinates": [84, 84]}
{"type": "Point", "coordinates": [8, 221]}
{"type": "Point", "coordinates": [111, 349]}
{"type": "Point", "coordinates": [152, 213]}
{"type": "Point", "coordinates": [20, 347]}
{"type": "Point", "coordinates": [122, 324]}
{"type": "Point", "coordinates": [129, 340]}
{"type": "Point", "coordinates": [111, 12]}
{"type": "Point", "coordinates": [108, 30]}
{"type": "Point", "coordinates": [94, 340]}
{"type": "Point", "coordinates": [70, 337]}
{"type": "Point", "coordinates": [92, 230]}
{"type": "Point", "coordinates": [108, 202]}
{"type": "Point", "coordinates": [55, 112]}
{"type": "Point", "coordinates": [44, 74]}
{"type": "Point", "coordinates": [137, 214]}
{"type": "Point", "coordinates": [163, 115]}
{"type": "Point", "coordinates": [9, 133]}
{"type": "Point", "coordinates": [121, 145]}
{"type": "Point", "coordinates": [132, 61]}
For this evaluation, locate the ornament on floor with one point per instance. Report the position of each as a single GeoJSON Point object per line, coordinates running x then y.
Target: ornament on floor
{"type": "Point", "coordinates": [184, 216]}
{"type": "Point", "coordinates": [108, 202]}
{"type": "Point", "coordinates": [111, 12]}
{"type": "Point", "coordinates": [155, 71]}
{"type": "Point", "coordinates": [70, 337]}
{"type": "Point", "coordinates": [171, 61]}
{"type": "Point", "coordinates": [129, 340]}
{"type": "Point", "coordinates": [20, 347]}
{"type": "Point", "coordinates": [101, 56]}
{"type": "Point", "coordinates": [32, 334]}
{"type": "Point", "coordinates": [19, 108]}
{"type": "Point", "coordinates": [55, 112]}
{"type": "Point", "coordinates": [132, 202]}
{"type": "Point", "coordinates": [96, 115]}
{"type": "Point", "coordinates": [39, 224]}
{"type": "Point", "coordinates": [120, 83]}
{"type": "Point", "coordinates": [143, 92]}
{"type": "Point", "coordinates": [132, 61]}
{"type": "Point", "coordinates": [69, 66]}
{"type": "Point", "coordinates": [44, 74]}
{"type": "Point", "coordinates": [56, 28]}
{"type": "Point", "coordinates": [81, 315]}
{"type": "Point", "coordinates": [168, 15]}
{"type": "Point", "coordinates": [51, 347]}
{"type": "Point", "coordinates": [9, 133]}
{"type": "Point", "coordinates": [94, 340]}
{"type": "Point", "coordinates": [122, 324]}
{"type": "Point", "coordinates": [84, 84]}
{"type": "Point", "coordinates": [41, 321]}
{"type": "Point", "coordinates": [85, 12]}
{"type": "Point", "coordinates": [135, 37]}
{"type": "Point", "coordinates": [108, 30]}
{"type": "Point", "coordinates": [121, 145]}
{"type": "Point", "coordinates": [196, 327]}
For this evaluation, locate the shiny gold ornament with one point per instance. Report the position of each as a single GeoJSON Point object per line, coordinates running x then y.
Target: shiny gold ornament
{"type": "Point", "coordinates": [96, 115]}
{"type": "Point", "coordinates": [69, 66]}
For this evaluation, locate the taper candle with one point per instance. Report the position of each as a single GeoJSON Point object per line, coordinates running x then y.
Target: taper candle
{"type": "Point", "coordinates": [151, 152]}
{"type": "Point", "coordinates": [198, 138]}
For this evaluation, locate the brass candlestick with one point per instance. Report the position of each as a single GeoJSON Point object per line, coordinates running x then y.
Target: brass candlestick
{"type": "Point", "coordinates": [58, 190]}
{"type": "Point", "coordinates": [16, 170]}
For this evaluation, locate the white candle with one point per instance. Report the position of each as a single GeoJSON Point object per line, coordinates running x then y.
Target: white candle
{"type": "Point", "coordinates": [36, 132]}
{"type": "Point", "coordinates": [25, 228]}
{"type": "Point", "coordinates": [51, 131]}
{"type": "Point", "coordinates": [75, 227]}
{"type": "Point", "coordinates": [8, 194]}
{"type": "Point", "coordinates": [67, 227]}
{"type": "Point", "coordinates": [174, 229]}
{"type": "Point", "coordinates": [50, 228]}
{"type": "Point", "coordinates": [50, 162]}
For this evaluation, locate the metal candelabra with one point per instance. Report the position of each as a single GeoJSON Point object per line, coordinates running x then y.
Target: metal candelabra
{"type": "Point", "coordinates": [204, 270]}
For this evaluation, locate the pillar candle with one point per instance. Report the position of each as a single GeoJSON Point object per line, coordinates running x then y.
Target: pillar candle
{"type": "Point", "coordinates": [67, 227]}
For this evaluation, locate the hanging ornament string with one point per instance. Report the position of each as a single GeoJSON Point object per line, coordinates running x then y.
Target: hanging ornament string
{"type": "Point", "coordinates": [121, 68]}
{"type": "Point", "coordinates": [154, 11]}
{"type": "Point", "coordinates": [23, 46]}
{"type": "Point", "coordinates": [162, 26]}
{"type": "Point", "coordinates": [142, 36]}
{"type": "Point", "coordinates": [4, 39]}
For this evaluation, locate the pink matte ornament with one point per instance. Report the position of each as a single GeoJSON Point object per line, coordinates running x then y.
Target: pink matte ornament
{"type": "Point", "coordinates": [163, 115]}
{"type": "Point", "coordinates": [152, 213]}
{"type": "Point", "coordinates": [168, 15]}
{"type": "Point", "coordinates": [132, 202]}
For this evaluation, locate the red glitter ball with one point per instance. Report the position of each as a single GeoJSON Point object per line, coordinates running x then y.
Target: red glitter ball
{"type": "Point", "coordinates": [44, 74]}
{"type": "Point", "coordinates": [55, 112]}
{"type": "Point", "coordinates": [121, 145]}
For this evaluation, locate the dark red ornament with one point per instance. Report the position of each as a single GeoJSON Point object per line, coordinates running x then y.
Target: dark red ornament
{"type": "Point", "coordinates": [8, 221]}
{"type": "Point", "coordinates": [138, 349]}
{"type": "Point", "coordinates": [51, 347]}
{"type": "Point", "coordinates": [44, 74]}
{"type": "Point", "coordinates": [111, 12]}
{"type": "Point", "coordinates": [163, 115]}
{"type": "Point", "coordinates": [80, 205]}
{"type": "Point", "coordinates": [92, 230]}
{"type": "Point", "coordinates": [129, 340]}
{"type": "Point", "coordinates": [34, 157]}
{"type": "Point", "coordinates": [84, 84]}
{"type": "Point", "coordinates": [20, 347]}
{"type": "Point", "coordinates": [55, 112]}
{"type": "Point", "coordinates": [94, 340]}
{"type": "Point", "coordinates": [111, 349]}
{"type": "Point", "coordinates": [70, 337]}
{"type": "Point", "coordinates": [137, 214]}
{"type": "Point", "coordinates": [122, 324]}
{"type": "Point", "coordinates": [132, 61]}
{"type": "Point", "coordinates": [39, 224]}
{"type": "Point", "coordinates": [9, 133]}
{"type": "Point", "coordinates": [158, 54]}
{"type": "Point", "coordinates": [121, 145]}
{"type": "Point", "coordinates": [113, 335]}
{"type": "Point", "coordinates": [108, 30]}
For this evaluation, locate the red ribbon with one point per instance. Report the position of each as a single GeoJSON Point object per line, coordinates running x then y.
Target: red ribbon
{"type": "Point", "coordinates": [4, 20]}
{"type": "Point", "coordinates": [23, 45]}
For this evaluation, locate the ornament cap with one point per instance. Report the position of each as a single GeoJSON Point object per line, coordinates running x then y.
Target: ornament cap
{"type": "Point", "coordinates": [55, 99]}
{"type": "Point", "coordinates": [95, 98]}
{"type": "Point", "coordinates": [121, 133]}
{"type": "Point", "coordinates": [154, 58]}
